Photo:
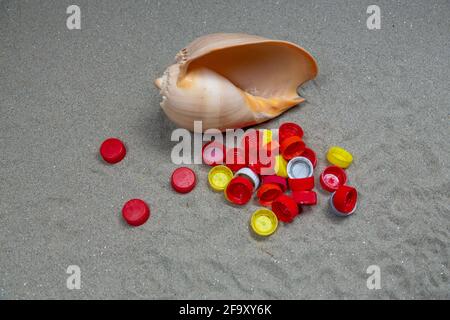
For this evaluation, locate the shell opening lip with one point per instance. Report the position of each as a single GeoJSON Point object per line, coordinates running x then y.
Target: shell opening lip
{"type": "Point", "coordinates": [246, 66]}
{"type": "Point", "coordinates": [232, 80]}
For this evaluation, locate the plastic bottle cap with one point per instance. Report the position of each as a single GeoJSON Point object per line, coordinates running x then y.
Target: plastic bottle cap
{"type": "Point", "coordinates": [311, 155]}
{"type": "Point", "coordinates": [219, 177]}
{"type": "Point", "coordinates": [183, 180]}
{"type": "Point", "coordinates": [337, 212]}
{"type": "Point", "coordinates": [250, 174]}
{"type": "Point", "coordinates": [292, 147]}
{"type": "Point", "coordinates": [113, 150]}
{"type": "Point", "coordinates": [345, 199]}
{"type": "Point", "coordinates": [239, 190]}
{"type": "Point", "coordinates": [264, 222]}
{"type": "Point", "coordinates": [213, 153]}
{"type": "Point", "coordinates": [277, 180]}
{"type": "Point", "coordinates": [267, 136]}
{"type": "Point", "coordinates": [135, 212]}
{"type": "Point", "coordinates": [265, 163]}
{"type": "Point", "coordinates": [308, 198]}
{"type": "Point", "coordinates": [268, 193]}
{"type": "Point", "coordinates": [280, 166]}
{"type": "Point", "coordinates": [301, 184]}
{"type": "Point", "coordinates": [256, 167]}
{"type": "Point", "coordinates": [285, 208]}
{"type": "Point", "coordinates": [332, 178]}
{"type": "Point", "coordinates": [289, 129]}
{"type": "Point", "coordinates": [251, 140]}
{"type": "Point", "coordinates": [339, 157]}
{"type": "Point", "coordinates": [272, 148]}
{"type": "Point", "coordinates": [299, 167]}
{"type": "Point", "coordinates": [252, 160]}
{"type": "Point", "coordinates": [235, 159]}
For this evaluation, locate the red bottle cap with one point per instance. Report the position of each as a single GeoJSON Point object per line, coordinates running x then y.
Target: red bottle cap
{"type": "Point", "coordinates": [113, 150]}
{"type": "Point", "coordinates": [275, 179]}
{"type": "Point", "coordinates": [285, 208]}
{"type": "Point", "coordinates": [272, 148]}
{"type": "Point", "coordinates": [345, 198]}
{"type": "Point", "coordinates": [292, 147]}
{"type": "Point", "coordinates": [268, 192]}
{"type": "Point", "coordinates": [308, 198]}
{"type": "Point", "coordinates": [311, 155]}
{"type": "Point", "coordinates": [239, 190]}
{"type": "Point", "coordinates": [256, 167]}
{"type": "Point", "coordinates": [301, 184]}
{"type": "Point", "coordinates": [183, 180]}
{"type": "Point", "coordinates": [135, 212]}
{"type": "Point", "coordinates": [265, 159]}
{"type": "Point", "coordinates": [213, 153]}
{"type": "Point", "coordinates": [267, 165]}
{"type": "Point", "coordinates": [289, 129]}
{"type": "Point", "coordinates": [252, 159]}
{"type": "Point", "coordinates": [332, 178]}
{"type": "Point", "coordinates": [252, 140]}
{"type": "Point", "coordinates": [235, 159]}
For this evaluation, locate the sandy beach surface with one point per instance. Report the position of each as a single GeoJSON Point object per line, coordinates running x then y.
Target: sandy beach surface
{"type": "Point", "coordinates": [382, 94]}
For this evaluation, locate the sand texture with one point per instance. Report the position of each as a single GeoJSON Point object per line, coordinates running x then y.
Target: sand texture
{"type": "Point", "coordinates": [382, 94]}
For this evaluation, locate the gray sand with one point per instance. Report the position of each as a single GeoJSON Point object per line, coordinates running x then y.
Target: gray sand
{"type": "Point", "coordinates": [382, 94]}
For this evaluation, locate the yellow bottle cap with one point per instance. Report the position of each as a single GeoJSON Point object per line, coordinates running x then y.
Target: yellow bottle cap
{"type": "Point", "coordinates": [267, 136]}
{"type": "Point", "coordinates": [264, 222]}
{"type": "Point", "coordinates": [219, 177]}
{"type": "Point", "coordinates": [280, 166]}
{"type": "Point", "coordinates": [339, 157]}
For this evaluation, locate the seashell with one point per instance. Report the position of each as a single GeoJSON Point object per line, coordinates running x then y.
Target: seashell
{"type": "Point", "coordinates": [230, 80]}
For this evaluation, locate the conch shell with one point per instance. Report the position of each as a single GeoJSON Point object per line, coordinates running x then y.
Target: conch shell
{"type": "Point", "coordinates": [230, 80]}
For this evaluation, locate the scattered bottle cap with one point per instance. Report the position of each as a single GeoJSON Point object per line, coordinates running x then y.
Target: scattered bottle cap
{"type": "Point", "coordinates": [239, 190]}
{"type": "Point", "coordinates": [344, 200]}
{"type": "Point", "coordinates": [113, 150]}
{"type": "Point", "coordinates": [249, 174]}
{"type": "Point", "coordinates": [267, 136]}
{"type": "Point", "coordinates": [235, 159]}
{"type": "Point", "coordinates": [332, 178]}
{"type": "Point", "coordinates": [337, 212]}
{"type": "Point", "coordinates": [289, 129]}
{"type": "Point", "coordinates": [299, 167]}
{"type": "Point", "coordinates": [339, 157]}
{"type": "Point", "coordinates": [280, 166]}
{"type": "Point", "coordinates": [285, 208]}
{"type": "Point", "coordinates": [272, 148]}
{"type": "Point", "coordinates": [301, 184]}
{"type": "Point", "coordinates": [213, 153]}
{"type": "Point", "coordinates": [256, 167]}
{"type": "Point", "coordinates": [135, 212]}
{"type": "Point", "coordinates": [219, 177]}
{"type": "Point", "coordinates": [267, 193]}
{"type": "Point", "coordinates": [311, 155]}
{"type": "Point", "coordinates": [264, 222]}
{"type": "Point", "coordinates": [292, 147]}
{"type": "Point", "coordinates": [252, 159]}
{"type": "Point", "coordinates": [252, 139]}
{"type": "Point", "coordinates": [266, 161]}
{"type": "Point", "coordinates": [308, 198]}
{"type": "Point", "coordinates": [277, 180]}
{"type": "Point", "coordinates": [183, 180]}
